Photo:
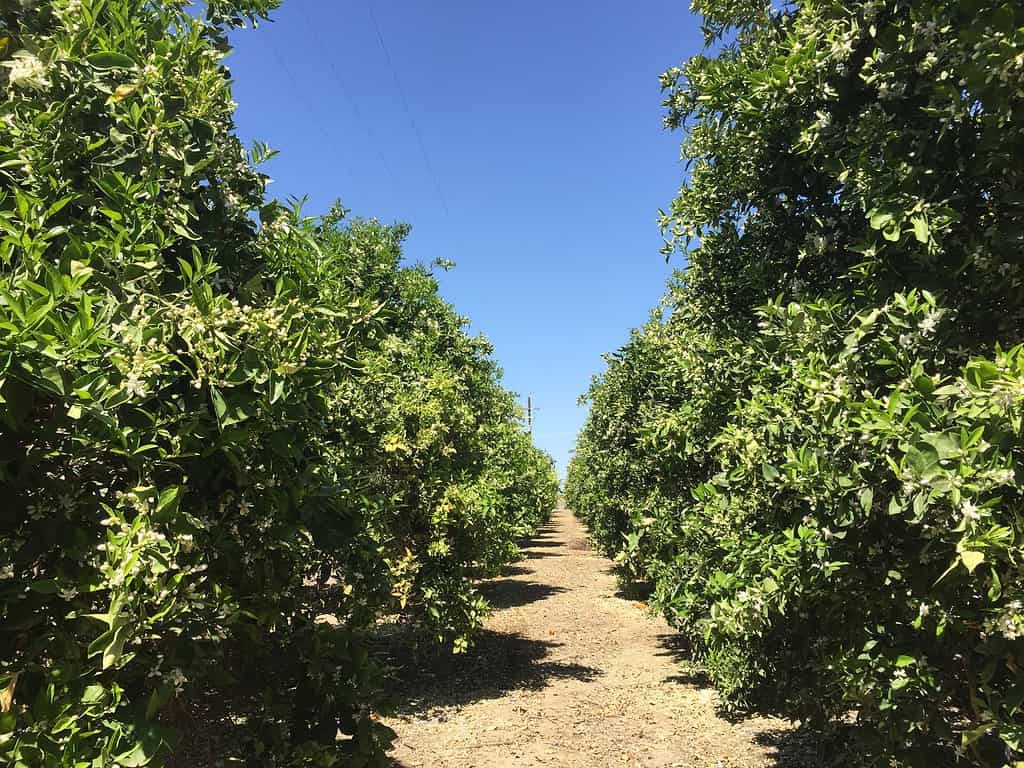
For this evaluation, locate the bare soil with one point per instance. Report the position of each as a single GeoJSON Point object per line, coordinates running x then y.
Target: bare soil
{"type": "Point", "coordinates": [568, 673]}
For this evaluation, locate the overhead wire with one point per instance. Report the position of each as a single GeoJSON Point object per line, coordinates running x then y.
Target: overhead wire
{"type": "Point", "coordinates": [310, 107]}
{"type": "Point", "coordinates": [408, 112]}
{"type": "Point", "coordinates": [340, 83]}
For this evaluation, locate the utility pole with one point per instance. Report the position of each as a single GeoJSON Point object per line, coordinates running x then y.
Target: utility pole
{"type": "Point", "coordinates": [529, 414]}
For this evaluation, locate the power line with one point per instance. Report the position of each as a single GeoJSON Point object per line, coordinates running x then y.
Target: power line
{"type": "Point", "coordinates": [314, 32]}
{"type": "Point", "coordinates": [408, 112]}
{"type": "Point", "coordinates": [310, 107]}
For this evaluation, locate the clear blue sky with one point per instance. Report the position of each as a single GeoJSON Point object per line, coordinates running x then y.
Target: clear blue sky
{"type": "Point", "coordinates": [542, 125]}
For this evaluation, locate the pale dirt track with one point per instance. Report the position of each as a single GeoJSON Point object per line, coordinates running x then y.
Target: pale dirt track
{"type": "Point", "coordinates": [569, 674]}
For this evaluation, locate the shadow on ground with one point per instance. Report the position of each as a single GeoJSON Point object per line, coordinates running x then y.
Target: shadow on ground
{"type": "Point", "coordinates": [497, 663]}
{"type": "Point", "coordinates": [534, 547]}
{"type": "Point", "coordinates": [542, 542]}
{"type": "Point", "coordinates": [854, 746]}
{"type": "Point", "coordinates": [799, 748]}
{"type": "Point", "coordinates": [535, 555]}
{"type": "Point", "coordinates": [675, 646]}
{"type": "Point", "coordinates": [515, 570]}
{"type": "Point", "coordinates": [627, 589]}
{"type": "Point", "coordinates": [792, 749]}
{"type": "Point", "coordinates": [508, 593]}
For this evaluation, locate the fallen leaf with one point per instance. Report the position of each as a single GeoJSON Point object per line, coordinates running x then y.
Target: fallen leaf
{"type": "Point", "coordinates": [7, 694]}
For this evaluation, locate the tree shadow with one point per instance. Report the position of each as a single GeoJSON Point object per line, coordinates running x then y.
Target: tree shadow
{"type": "Point", "coordinates": [507, 593]}
{"type": "Point", "coordinates": [677, 647]}
{"type": "Point", "coordinates": [543, 543]}
{"type": "Point", "coordinates": [628, 589]}
{"type": "Point", "coordinates": [799, 748]}
{"type": "Point", "coordinates": [515, 570]}
{"type": "Point", "coordinates": [852, 746]}
{"type": "Point", "coordinates": [695, 677]}
{"type": "Point", "coordinates": [498, 662]}
{"type": "Point", "coordinates": [536, 555]}
{"type": "Point", "coordinates": [581, 545]}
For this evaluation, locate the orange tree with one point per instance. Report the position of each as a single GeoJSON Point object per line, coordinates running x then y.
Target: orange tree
{"type": "Point", "coordinates": [813, 451]}
{"type": "Point", "coordinates": [202, 397]}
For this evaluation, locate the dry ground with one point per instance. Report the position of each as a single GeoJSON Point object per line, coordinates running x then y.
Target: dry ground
{"type": "Point", "coordinates": [569, 674]}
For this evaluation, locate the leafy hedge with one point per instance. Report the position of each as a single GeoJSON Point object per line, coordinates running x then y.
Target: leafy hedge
{"type": "Point", "coordinates": [231, 438]}
{"type": "Point", "coordinates": [813, 451]}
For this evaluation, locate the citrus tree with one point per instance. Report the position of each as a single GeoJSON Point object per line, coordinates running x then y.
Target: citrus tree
{"type": "Point", "coordinates": [813, 450]}
{"type": "Point", "coordinates": [232, 437]}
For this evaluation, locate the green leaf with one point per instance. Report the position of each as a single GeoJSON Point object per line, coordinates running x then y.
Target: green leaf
{"type": "Point", "coordinates": [866, 497]}
{"type": "Point", "coordinates": [276, 388]}
{"type": "Point", "coordinates": [168, 499]}
{"type": "Point", "coordinates": [981, 372]}
{"type": "Point", "coordinates": [967, 738]}
{"type": "Point", "coordinates": [921, 504]}
{"type": "Point", "coordinates": [45, 587]}
{"type": "Point", "coordinates": [122, 92]}
{"type": "Point", "coordinates": [995, 589]}
{"type": "Point", "coordinates": [924, 384]}
{"type": "Point", "coordinates": [141, 754]}
{"type": "Point", "coordinates": [904, 661]}
{"type": "Point", "coordinates": [924, 460]}
{"type": "Point", "coordinates": [972, 559]}
{"type": "Point", "coordinates": [112, 653]}
{"type": "Point", "coordinates": [80, 269]}
{"type": "Point", "coordinates": [220, 406]}
{"type": "Point", "coordinates": [921, 231]}
{"type": "Point", "coordinates": [945, 444]}
{"type": "Point", "coordinates": [52, 379]}
{"type": "Point", "coordinates": [94, 694]}
{"type": "Point", "coordinates": [58, 205]}
{"type": "Point", "coordinates": [109, 60]}
{"type": "Point", "coordinates": [160, 696]}
{"type": "Point", "coordinates": [880, 219]}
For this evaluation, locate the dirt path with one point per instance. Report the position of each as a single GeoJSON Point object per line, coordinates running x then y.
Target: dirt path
{"type": "Point", "coordinates": [568, 674]}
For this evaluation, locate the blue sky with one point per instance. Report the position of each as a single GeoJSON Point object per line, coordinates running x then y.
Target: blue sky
{"type": "Point", "coordinates": [534, 158]}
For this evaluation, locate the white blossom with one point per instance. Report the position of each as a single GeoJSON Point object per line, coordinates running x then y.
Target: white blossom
{"type": "Point", "coordinates": [969, 510]}
{"type": "Point", "coordinates": [177, 679]}
{"type": "Point", "coordinates": [26, 71]}
{"type": "Point", "coordinates": [134, 386]}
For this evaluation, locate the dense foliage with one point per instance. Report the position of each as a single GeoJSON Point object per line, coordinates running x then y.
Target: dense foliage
{"type": "Point", "coordinates": [813, 450]}
{"type": "Point", "coordinates": [231, 438]}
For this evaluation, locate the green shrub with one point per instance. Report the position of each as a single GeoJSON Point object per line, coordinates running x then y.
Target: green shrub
{"type": "Point", "coordinates": [814, 451]}
{"type": "Point", "coordinates": [204, 399]}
